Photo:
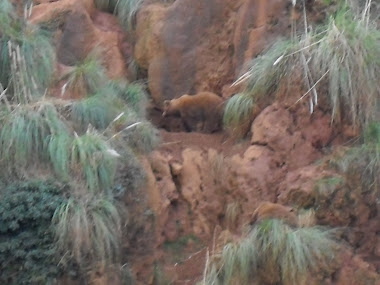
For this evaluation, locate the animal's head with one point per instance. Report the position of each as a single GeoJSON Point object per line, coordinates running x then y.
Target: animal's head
{"type": "Point", "coordinates": [171, 107]}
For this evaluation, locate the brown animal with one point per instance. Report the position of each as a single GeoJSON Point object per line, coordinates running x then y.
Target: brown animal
{"type": "Point", "coordinates": [268, 210]}
{"type": "Point", "coordinates": [201, 112]}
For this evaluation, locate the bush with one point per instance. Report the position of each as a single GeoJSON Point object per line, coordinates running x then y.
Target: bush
{"type": "Point", "coordinates": [27, 253]}
{"type": "Point", "coordinates": [273, 253]}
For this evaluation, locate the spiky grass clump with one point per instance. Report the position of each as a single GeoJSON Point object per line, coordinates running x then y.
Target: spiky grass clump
{"type": "Point", "coordinates": [274, 252]}
{"type": "Point", "coordinates": [232, 213]}
{"type": "Point", "coordinates": [87, 77]}
{"type": "Point", "coordinates": [269, 69]}
{"type": "Point", "coordinates": [349, 53]}
{"type": "Point", "coordinates": [125, 10]}
{"type": "Point", "coordinates": [143, 138]}
{"type": "Point", "coordinates": [262, 79]}
{"type": "Point", "coordinates": [342, 56]}
{"type": "Point", "coordinates": [88, 229]}
{"type": "Point", "coordinates": [33, 133]}
{"type": "Point", "coordinates": [34, 45]}
{"type": "Point", "coordinates": [94, 161]}
{"type": "Point", "coordinates": [238, 113]}
{"type": "Point", "coordinates": [364, 160]}
{"type": "Point", "coordinates": [99, 109]}
{"type": "Point", "coordinates": [133, 94]}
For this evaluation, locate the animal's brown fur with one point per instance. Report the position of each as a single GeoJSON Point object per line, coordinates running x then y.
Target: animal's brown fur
{"type": "Point", "coordinates": [268, 210]}
{"type": "Point", "coordinates": [201, 112]}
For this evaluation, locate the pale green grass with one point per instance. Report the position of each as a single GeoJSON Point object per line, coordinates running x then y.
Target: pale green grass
{"type": "Point", "coordinates": [86, 77]}
{"type": "Point", "coordinates": [34, 45]}
{"type": "Point", "coordinates": [349, 53]}
{"type": "Point", "coordinates": [276, 251]}
{"type": "Point", "coordinates": [88, 229]}
{"type": "Point", "coordinates": [94, 161]}
{"type": "Point", "coordinates": [33, 133]}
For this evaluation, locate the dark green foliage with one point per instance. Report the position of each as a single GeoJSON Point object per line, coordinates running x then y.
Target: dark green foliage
{"type": "Point", "coordinates": [27, 253]}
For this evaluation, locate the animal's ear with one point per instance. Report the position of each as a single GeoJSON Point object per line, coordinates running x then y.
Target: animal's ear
{"type": "Point", "coordinates": [166, 103]}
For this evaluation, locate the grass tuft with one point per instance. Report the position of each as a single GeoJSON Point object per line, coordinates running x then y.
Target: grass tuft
{"type": "Point", "coordinates": [273, 250]}
{"type": "Point", "coordinates": [94, 161]}
{"type": "Point", "coordinates": [133, 94]}
{"type": "Point", "coordinates": [99, 110]}
{"type": "Point", "coordinates": [238, 113]}
{"type": "Point", "coordinates": [340, 60]}
{"type": "Point", "coordinates": [88, 229]}
{"type": "Point", "coordinates": [33, 133]}
{"type": "Point", "coordinates": [34, 45]}
{"type": "Point", "coordinates": [348, 52]}
{"type": "Point", "coordinates": [87, 77]}
{"type": "Point", "coordinates": [143, 137]}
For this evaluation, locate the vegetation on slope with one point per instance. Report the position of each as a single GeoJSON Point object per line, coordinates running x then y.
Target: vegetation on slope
{"type": "Point", "coordinates": [27, 246]}
{"type": "Point", "coordinates": [272, 253]}
{"type": "Point", "coordinates": [78, 143]}
{"type": "Point", "coordinates": [339, 60]}
{"type": "Point", "coordinates": [27, 43]}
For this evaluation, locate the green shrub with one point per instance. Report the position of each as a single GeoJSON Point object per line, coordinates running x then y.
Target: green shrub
{"type": "Point", "coordinates": [275, 253]}
{"type": "Point", "coordinates": [88, 230]}
{"type": "Point", "coordinates": [27, 253]}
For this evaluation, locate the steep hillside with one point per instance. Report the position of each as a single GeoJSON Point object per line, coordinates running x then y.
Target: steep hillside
{"type": "Point", "coordinates": [286, 193]}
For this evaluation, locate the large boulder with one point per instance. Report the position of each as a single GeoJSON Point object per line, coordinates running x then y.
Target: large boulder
{"type": "Point", "coordinates": [196, 45]}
